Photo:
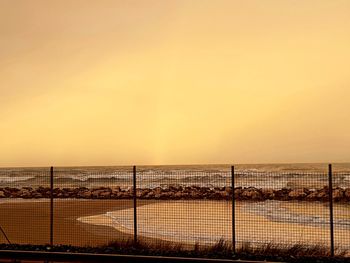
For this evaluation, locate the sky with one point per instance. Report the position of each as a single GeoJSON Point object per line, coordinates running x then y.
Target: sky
{"type": "Point", "coordinates": [174, 82]}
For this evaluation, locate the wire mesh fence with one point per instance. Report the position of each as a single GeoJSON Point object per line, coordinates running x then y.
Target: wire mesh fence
{"type": "Point", "coordinates": [90, 203]}
{"type": "Point", "coordinates": [341, 209]}
{"type": "Point", "coordinates": [23, 191]}
{"type": "Point", "coordinates": [191, 206]}
{"type": "Point", "coordinates": [188, 207]}
{"type": "Point", "coordinates": [277, 208]}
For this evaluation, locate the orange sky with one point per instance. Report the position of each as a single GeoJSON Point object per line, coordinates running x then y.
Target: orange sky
{"type": "Point", "coordinates": [174, 82]}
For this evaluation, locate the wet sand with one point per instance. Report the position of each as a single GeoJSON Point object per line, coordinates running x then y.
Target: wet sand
{"type": "Point", "coordinates": [209, 221]}
{"type": "Point", "coordinates": [28, 221]}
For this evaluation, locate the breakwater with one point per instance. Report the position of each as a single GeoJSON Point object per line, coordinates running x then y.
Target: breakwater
{"type": "Point", "coordinates": [181, 193]}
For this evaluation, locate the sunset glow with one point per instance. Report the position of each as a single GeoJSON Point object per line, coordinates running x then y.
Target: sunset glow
{"type": "Point", "coordinates": [174, 82]}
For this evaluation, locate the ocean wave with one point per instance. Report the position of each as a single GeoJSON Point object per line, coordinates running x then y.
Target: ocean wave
{"type": "Point", "coordinates": [84, 178]}
{"type": "Point", "coordinates": [161, 180]}
{"type": "Point", "coordinates": [93, 179]}
{"type": "Point", "coordinates": [259, 176]}
{"type": "Point", "coordinates": [274, 211]}
{"type": "Point", "coordinates": [12, 179]}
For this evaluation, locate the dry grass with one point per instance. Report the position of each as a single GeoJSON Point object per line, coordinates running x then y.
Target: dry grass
{"type": "Point", "coordinates": [221, 249]}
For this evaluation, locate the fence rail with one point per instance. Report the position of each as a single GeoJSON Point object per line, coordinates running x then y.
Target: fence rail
{"type": "Point", "coordinates": [94, 207]}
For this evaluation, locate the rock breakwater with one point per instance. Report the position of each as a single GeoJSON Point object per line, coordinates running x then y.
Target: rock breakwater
{"type": "Point", "coordinates": [181, 193]}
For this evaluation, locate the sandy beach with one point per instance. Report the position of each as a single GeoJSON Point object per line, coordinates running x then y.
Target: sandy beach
{"type": "Point", "coordinates": [27, 221]}
{"type": "Point", "coordinates": [256, 222]}
{"type": "Point", "coordinates": [96, 222]}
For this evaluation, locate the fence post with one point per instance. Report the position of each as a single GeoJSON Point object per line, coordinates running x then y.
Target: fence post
{"type": "Point", "coordinates": [330, 196]}
{"type": "Point", "coordinates": [135, 205]}
{"type": "Point", "coordinates": [51, 206]}
{"type": "Point", "coordinates": [233, 209]}
{"type": "Point", "coordinates": [4, 234]}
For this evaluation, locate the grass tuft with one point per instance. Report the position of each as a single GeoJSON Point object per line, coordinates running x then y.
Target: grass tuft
{"type": "Point", "coordinates": [221, 249]}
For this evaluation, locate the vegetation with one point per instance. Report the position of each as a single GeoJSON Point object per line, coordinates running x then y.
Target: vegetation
{"type": "Point", "coordinates": [222, 250]}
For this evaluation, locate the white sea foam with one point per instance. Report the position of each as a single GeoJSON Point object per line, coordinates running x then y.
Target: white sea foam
{"type": "Point", "coordinates": [84, 177]}
{"type": "Point", "coordinates": [12, 179]}
{"type": "Point", "coordinates": [275, 211]}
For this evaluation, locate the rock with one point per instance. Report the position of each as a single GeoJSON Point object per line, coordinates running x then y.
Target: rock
{"type": "Point", "coordinates": [251, 194]}
{"type": "Point", "coordinates": [322, 194]}
{"type": "Point", "coordinates": [115, 192]}
{"type": "Point", "coordinates": [214, 195]}
{"type": "Point", "coordinates": [195, 195]}
{"type": "Point", "coordinates": [66, 190]}
{"type": "Point", "coordinates": [97, 193]}
{"type": "Point", "coordinates": [178, 195]}
{"type": "Point", "coordinates": [282, 194]}
{"type": "Point", "coordinates": [238, 193]}
{"type": "Point", "coordinates": [297, 194]}
{"type": "Point", "coordinates": [143, 193]}
{"type": "Point", "coordinates": [24, 193]}
{"type": "Point", "coordinates": [175, 188]}
{"type": "Point", "coordinates": [72, 194]}
{"type": "Point", "coordinates": [158, 190]}
{"type": "Point", "coordinates": [138, 193]}
{"type": "Point", "coordinates": [188, 189]}
{"type": "Point", "coordinates": [36, 195]}
{"type": "Point", "coordinates": [174, 192]}
{"type": "Point", "coordinates": [268, 193]}
{"type": "Point", "coordinates": [338, 194]}
{"type": "Point", "coordinates": [104, 195]}
{"type": "Point", "coordinates": [224, 195]}
{"type": "Point", "coordinates": [116, 189]}
{"type": "Point", "coordinates": [85, 194]}
{"type": "Point", "coordinates": [347, 193]}
{"type": "Point", "coordinates": [56, 191]}
{"type": "Point", "coordinates": [204, 190]}
{"type": "Point", "coordinates": [228, 190]}
{"type": "Point", "coordinates": [312, 196]}
{"type": "Point", "coordinates": [165, 195]}
{"type": "Point", "coordinates": [15, 194]}
{"type": "Point", "coordinates": [150, 195]}
{"type": "Point", "coordinates": [171, 194]}
{"type": "Point", "coordinates": [124, 195]}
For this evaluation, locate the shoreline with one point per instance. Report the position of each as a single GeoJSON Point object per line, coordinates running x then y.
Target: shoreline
{"type": "Point", "coordinates": [184, 222]}
{"type": "Point", "coordinates": [86, 222]}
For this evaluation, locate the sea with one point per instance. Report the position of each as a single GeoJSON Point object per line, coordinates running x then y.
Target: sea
{"type": "Point", "coordinates": [274, 176]}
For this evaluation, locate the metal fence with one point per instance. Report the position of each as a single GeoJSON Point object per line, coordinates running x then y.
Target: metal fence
{"type": "Point", "coordinates": [92, 207]}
